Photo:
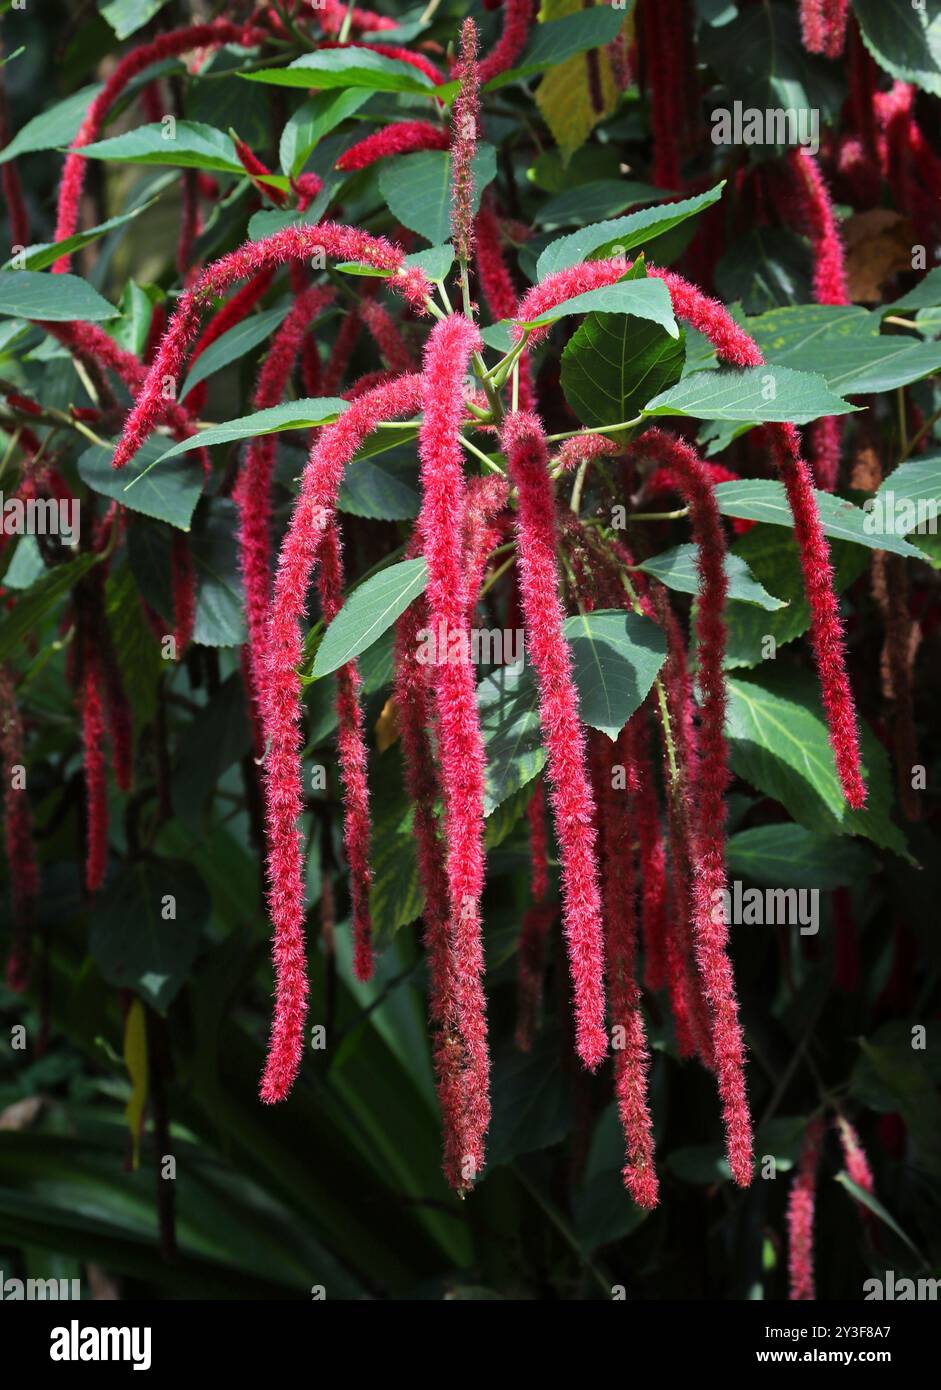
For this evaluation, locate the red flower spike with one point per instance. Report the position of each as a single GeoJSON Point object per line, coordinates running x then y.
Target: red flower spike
{"type": "Point", "coordinates": [465, 119]}
{"type": "Point", "coordinates": [517, 21]}
{"type": "Point", "coordinates": [461, 753]}
{"type": "Point", "coordinates": [18, 833]}
{"type": "Point", "coordinates": [538, 842]}
{"type": "Point", "coordinates": [815, 212]}
{"type": "Point", "coordinates": [335, 447]}
{"type": "Point", "coordinates": [257, 171]}
{"type": "Point", "coordinates": [290, 244]}
{"type": "Point", "coordinates": [96, 794]}
{"type": "Point", "coordinates": [854, 1156]}
{"type": "Point", "coordinates": [402, 137]}
{"type": "Point", "coordinates": [169, 45]}
{"type": "Point", "coordinates": [813, 25]}
{"type": "Point", "coordinates": [581, 448]}
{"type": "Point", "coordinates": [800, 1215]}
{"type": "Point", "coordinates": [652, 853]}
{"type": "Point", "coordinates": [393, 349]}
{"type": "Point", "coordinates": [570, 793]}
{"type": "Point", "coordinates": [353, 760]}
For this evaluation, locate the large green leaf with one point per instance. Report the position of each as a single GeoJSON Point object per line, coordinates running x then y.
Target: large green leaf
{"type": "Point", "coordinates": [169, 493]}
{"type": "Point", "coordinates": [32, 294]}
{"type": "Point", "coordinates": [909, 498]}
{"type": "Point", "coordinates": [52, 128]}
{"type": "Point", "coordinates": [292, 415]}
{"type": "Point", "coordinates": [193, 146]}
{"type": "Point", "coordinates": [234, 344]}
{"type": "Point", "coordinates": [643, 299]}
{"type": "Point", "coordinates": [146, 927]}
{"type": "Point", "coordinates": [615, 658]}
{"type": "Point", "coordinates": [417, 188]}
{"type": "Point", "coordinates": [508, 707]}
{"type": "Point", "coordinates": [904, 38]}
{"type": "Point", "coordinates": [791, 856]}
{"type": "Point", "coordinates": [127, 16]}
{"type": "Point", "coordinates": [760, 58]}
{"type": "Point", "coordinates": [844, 346]}
{"type": "Point", "coordinates": [624, 233]}
{"type": "Point", "coordinates": [383, 486]}
{"type": "Point", "coordinates": [312, 121]}
{"type": "Point", "coordinates": [679, 569]}
{"type": "Point", "coordinates": [35, 603]}
{"type": "Point", "coordinates": [42, 255]}
{"type": "Point", "coordinates": [778, 743]}
{"type": "Point", "coordinates": [351, 67]}
{"type": "Point", "coordinates": [763, 499]}
{"type": "Point", "coordinates": [220, 606]}
{"type": "Point", "coordinates": [750, 394]}
{"type": "Point", "coordinates": [369, 611]}
{"type": "Point", "coordinates": [556, 40]}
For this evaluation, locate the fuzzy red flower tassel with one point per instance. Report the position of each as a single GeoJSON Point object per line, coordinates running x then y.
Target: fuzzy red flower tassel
{"type": "Point", "coordinates": [711, 931]}
{"type": "Point", "coordinates": [18, 832]}
{"type": "Point", "coordinates": [800, 1215]}
{"type": "Point", "coordinates": [96, 792]}
{"type": "Point", "coordinates": [854, 1156]}
{"type": "Point", "coordinates": [291, 244]}
{"type": "Point", "coordinates": [517, 20]}
{"type": "Point", "coordinates": [335, 447]}
{"type": "Point", "coordinates": [402, 137]}
{"type": "Point", "coordinates": [441, 525]}
{"type": "Point", "coordinates": [353, 760]}
{"type": "Point", "coordinates": [572, 802]}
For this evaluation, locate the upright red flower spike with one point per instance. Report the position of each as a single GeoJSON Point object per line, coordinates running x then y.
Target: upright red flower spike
{"type": "Point", "coordinates": [465, 118]}
{"type": "Point", "coordinates": [631, 1054]}
{"type": "Point", "coordinates": [461, 753]}
{"type": "Point", "coordinates": [401, 137]}
{"type": "Point", "coordinates": [800, 1215]}
{"type": "Point", "coordinates": [570, 792]}
{"type": "Point", "coordinates": [294, 243]}
{"type": "Point", "coordinates": [169, 45]}
{"type": "Point", "coordinates": [18, 834]}
{"type": "Point", "coordinates": [517, 20]}
{"type": "Point", "coordinates": [353, 760]}
{"type": "Point", "coordinates": [335, 447]}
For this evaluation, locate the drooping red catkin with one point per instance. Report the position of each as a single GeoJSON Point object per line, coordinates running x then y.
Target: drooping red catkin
{"type": "Point", "coordinates": [572, 803]}
{"type": "Point", "coordinates": [663, 32]}
{"type": "Point", "coordinates": [393, 349]}
{"type": "Point", "coordinates": [258, 172]}
{"type": "Point", "coordinates": [631, 1055]}
{"type": "Point", "coordinates": [332, 14]}
{"type": "Point", "coordinates": [813, 27]}
{"type": "Point", "coordinates": [854, 1156]}
{"type": "Point", "coordinates": [18, 834]}
{"type": "Point", "coordinates": [652, 856]}
{"type": "Point", "coordinates": [402, 137]}
{"type": "Point", "coordinates": [341, 352]}
{"type": "Point", "coordinates": [351, 746]}
{"type": "Point", "coordinates": [232, 312]}
{"type": "Point", "coordinates": [823, 26]}
{"type": "Point", "coordinates": [517, 19]}
{"type": "Point", "coordinates": [581, 448]}
{"type": "Point", "coordinates": [815, 212]}
{"type": "Point", "coordinates": [253, 490]}
{"type": "Point", "coordinates": [734, 345]}
{"type": "Point", "coordinates": [93, 745]}
{"type": "Point", "coordinates": [291, 244]}
{"type": "Point", "coordinates": [168, 45]}
{"type": "Point", "coordinates": [800, 1215]}
{"type": "Point", "coordinates": [461, 753]}
{"type": "Point", "coordinates": [414, 705]}
{"type": "Point", "coordinates": [566, 284]}
{"type": "Point", "coordinates": [465, 117]}
{"type": "Point", "coordinates": [320, 483]}
{"type": "Point", "coordinates": [711, 783]}
{"type": "Point", "coordinates": [538, 842]}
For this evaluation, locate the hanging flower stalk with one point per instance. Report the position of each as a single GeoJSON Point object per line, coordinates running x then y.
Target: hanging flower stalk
{"type": "Point", "coordinates": [800, 1214]}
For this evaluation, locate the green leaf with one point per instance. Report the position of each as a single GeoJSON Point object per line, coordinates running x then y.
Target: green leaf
{"type": "Point", "coordinates": [873, 1204]}
{"type": "Point", "coordinates": [904, 39]}
{"type": "Point", "coordinates": [417, 188]}
{"type": "Point", "coordinates": [844, 346]}
{"type": "Point", "coordinates": [508, 707]}
{"type": "Point", "coordinates": [168, 494]}
{"type": "Point", "coordinates": [925, 295]}
{"type": "Point", "coordinates": [558, 39]}
{"type": "Point", "coordinates": [220, 605]}
{"type": "Point", "coordinates": [194, 146]}
{"type": "Point", "coordinates": [644, 299]}
{"type": "Point", "coordinates": [136, 307]}
{"type": "Point", "coordinates": [312, 121]}
{"type": "Point", "coordinates": [43, 254]}
{"type": "Point", "coordinates": [234, 344]}
{"type": "Point", "coordinates": [368, 612]}
{"type": "Point", "coordinates": [893, 1076]}
{"type": "Point", "coordinates": [292, 415]}
{"type": "Point", "coordinates": [678, 569]}
{"type": "Point", "coordinates": [127, 16]}
{"type": "Point", "coordinates": [791, 856]}
{"type": "Point", "coordinates": [909, 498]}
{"type": "Point", "coordinates": [625, 233]}
{"type": "Point", "coordinates": [761, 60]}
{"type": "Point", "coordinates": [761, 499]}
{"type": "Point", "coordinates": [753, 394]}
{"type": "Point", "coordinates": [384, 487]}
{"type": "Point", "coordinates": [615, 659]}
{"type": "Point", "coordinates": [134, 944]}
{"type": "Point", "coordinates": [435, 262]}
{"type": "Point", "coordinates": [778, 743]}
{"type": "Point", "coordinates": [613, 364]}
{"type": "Point", "coordinates": [532, 1102]}
{"type": "Point", "coordinates": [54, 128]}
{"type": "Point", "coordinates": [35, 603]}
{"type": "Point", "coordinates": [352, 67]}
{"type": "Point", "coordinates": [590, 202]}
{"type": "Point", "coordinates": [32, 294]}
